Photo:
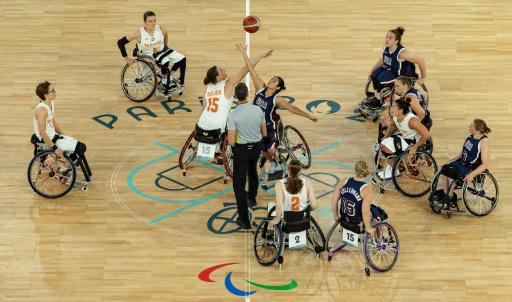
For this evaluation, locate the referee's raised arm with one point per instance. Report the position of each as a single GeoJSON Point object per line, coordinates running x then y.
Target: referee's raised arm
{"type": "Point", "coordinates": [246, 129]}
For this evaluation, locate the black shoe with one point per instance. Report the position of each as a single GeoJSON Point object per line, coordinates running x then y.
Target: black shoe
{"type": "Point", "coordinates": [373, 103]}
{"type": "Point", "coordinates": [244, 225]}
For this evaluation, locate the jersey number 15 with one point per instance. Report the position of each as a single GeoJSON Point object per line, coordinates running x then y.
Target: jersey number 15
{"type": "Point", "coordinates": [212, 105]}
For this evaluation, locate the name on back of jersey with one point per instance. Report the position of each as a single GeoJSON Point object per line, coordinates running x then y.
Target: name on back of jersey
{"type": "Point", "coordinates": [213, 93]}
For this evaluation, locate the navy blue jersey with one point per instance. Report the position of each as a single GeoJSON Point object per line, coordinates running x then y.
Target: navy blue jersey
{"type": "Point", "coordinates": [269, 107]}
{"type": "Point", "coordinates": [420, 96]}
{"type": "Point", "coordinates": [391, 61]}
{"type": "Point", "coordinates": [471, 151]}
{"type": "Point", "coordinates": [351, 200]}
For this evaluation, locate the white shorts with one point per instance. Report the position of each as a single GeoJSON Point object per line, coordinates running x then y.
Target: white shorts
{"type": "Point", "coordinates": [172, 58]}
{"type": "Point", "coordinates": [67, 144]}
{"type": "Point", "coordinates": [390, 144]}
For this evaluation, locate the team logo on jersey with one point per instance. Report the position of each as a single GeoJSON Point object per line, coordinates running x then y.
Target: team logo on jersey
{"type": "Point", "coordinates": [323, 107]}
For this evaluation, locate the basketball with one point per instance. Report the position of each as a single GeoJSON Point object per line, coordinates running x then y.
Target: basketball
{"type": "Point", "coordinates": [251, 24]}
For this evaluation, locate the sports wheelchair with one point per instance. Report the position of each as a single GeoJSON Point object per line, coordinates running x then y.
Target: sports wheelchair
{"type": "Point", "coordinates": [291, 144]}
{"type": "Point", "coordinates": [480, 197]}
{"type": "Point", "coordinates": [411, 176]}
{"type": "Point", "coordinates": [53, 177]}
{"type": "Point", "coordinates": [380, 250]}
{"type": "Point", "coordinates": [369, 108]}
{"type": "Point", "coordinates": [203, 143]}
{"type": "Point", "coordinates": [297, 229]}
{"type": "Point", "coordinates": [139, 80]}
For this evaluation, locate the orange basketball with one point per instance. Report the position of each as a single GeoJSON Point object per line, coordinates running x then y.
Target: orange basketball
{"type": "Point", "coordinates": [251, 24]}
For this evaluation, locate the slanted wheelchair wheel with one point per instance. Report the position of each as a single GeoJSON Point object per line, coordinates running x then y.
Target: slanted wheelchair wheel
{"type": "Point", "coordinates": [188, 152]}
{"type": "Point", "coordinates": [138, 80]}
{"type": "Point", "coordinates": [381, 250]}
{"type": "Point", "coordinates": [481, 196]}
{"type": "Point", "coordinates": [297, 146]}
{"type": "Point", "coordinates": [315, 237]}
{"type": "Point", "coordinates": [268, 242]}
{"type": "Point", "coordinates": [416, 173]}
{"type": "Point", "coordinates": [227, 157]}
{"type": "Point", "coordinates": [334, 241]}
{"type": "Point", "coordinates": [51, 176]}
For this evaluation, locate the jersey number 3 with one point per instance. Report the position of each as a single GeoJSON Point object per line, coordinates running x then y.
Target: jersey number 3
{"type": "Point", "coordinates": [212, 104]}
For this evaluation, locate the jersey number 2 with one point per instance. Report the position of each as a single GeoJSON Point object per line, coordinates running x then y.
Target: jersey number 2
{"type": "Point", "coordinates": [295, 203]}
{"type": "Point", "coordinates": [212, 104]}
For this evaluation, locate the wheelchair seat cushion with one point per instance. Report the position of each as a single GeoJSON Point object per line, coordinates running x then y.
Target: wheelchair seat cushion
{"type": "Point", "coordinates": [207, 136]}
{"type": "Point", "coordinates": [351, 224]}
{"type": "Point", "coordinates": [378, 212]}
{"type": "Point", "coordinates": [296, 221]}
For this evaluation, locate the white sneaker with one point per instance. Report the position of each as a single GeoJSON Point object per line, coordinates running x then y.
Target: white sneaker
{"type": "Point", "coordinates": [386, 172]}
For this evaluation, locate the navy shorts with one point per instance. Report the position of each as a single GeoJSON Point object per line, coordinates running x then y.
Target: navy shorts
{"type": "Point", "coordinates": [455, 169]}
{"type": "Point", "coordinates": [382, 77]}
{"type": "Point", "coordinates": [269, 142]}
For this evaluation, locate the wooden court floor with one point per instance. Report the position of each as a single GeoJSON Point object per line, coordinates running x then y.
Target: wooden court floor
{"type": "Point", "coordinates": [143, 232]}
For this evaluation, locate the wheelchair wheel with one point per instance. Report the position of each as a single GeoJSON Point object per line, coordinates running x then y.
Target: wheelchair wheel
{"type": "Point", "coordinates": [188, 152]}
{"type": "Point", "coordinates": [315, 237]}
{"type": "Point", "coordinates": [481, 196]}
{"type": "Point", "coordinates": [416, 173]}
{"type": "Point", "coordinates": [138, 80]}
{"type": "Point", "coordinates": [227, 157]}
{"type": "Point", "coordinates": [297, 146]}
{"type": "Point", "coordinates": [50, 176]}
{"type": "Point", "coordinates": [334, 241]}
{"type": "Point", "coordinates": [381, 250]}
{"type": "Point", "coordinates": [268, 242]}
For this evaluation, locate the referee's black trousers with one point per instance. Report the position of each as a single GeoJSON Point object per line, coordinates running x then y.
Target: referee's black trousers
{"type": "Point", "coordinates": [244, 166]}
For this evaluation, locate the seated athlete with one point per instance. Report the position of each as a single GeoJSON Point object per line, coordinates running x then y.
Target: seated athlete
{"type": "Point", "coordinates": [473, 159]}
{"type": "Point", "coordinates": [152, 40]}
{"type": "Point", "coordinates": [268, 99]}
{"type": "Point", "coordinates": [218, 96]}
{"type": "Point", "coordinates": [391, 65]}
{"type": "Point", "coordinates": [412, 133]}
{"type": "Point", "coordinates": [293, 193]}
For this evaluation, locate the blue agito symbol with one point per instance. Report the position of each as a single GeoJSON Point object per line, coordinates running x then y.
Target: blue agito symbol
{"type": "Point", "coordinates": [323, 107]}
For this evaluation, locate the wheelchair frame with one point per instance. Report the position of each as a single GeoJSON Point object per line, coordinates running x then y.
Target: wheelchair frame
{"type": "Point", "coordinates": [140, 79]}
{"type": "Point", "coordinates": [368, 244]}
{"type": "Point", "coordinates": [55, 170]}
{"type": "Point", "coordinates": [387, 185]}
{"type": "Point", "coordinates": [461, 184]}
{"type": "Point", "coordinates": [279, 233]}
{"type": "Point", "coordinates": [226, 150]}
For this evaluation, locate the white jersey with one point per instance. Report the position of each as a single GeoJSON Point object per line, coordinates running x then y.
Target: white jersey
{"type": "Point", "coordinates": [215, 113]}
{"type": "Point", "coordinates": [151, 44]}
{"type": "Point", "coordinates": [403, 127]}
{"type": "Point", "coordinates": [295, 202]}
{"type": "Point", "coordinates": [50, 130]}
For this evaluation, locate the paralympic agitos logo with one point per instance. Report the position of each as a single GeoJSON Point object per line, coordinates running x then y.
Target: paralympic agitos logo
{"type": "Point", "coordinates": [204, 275]}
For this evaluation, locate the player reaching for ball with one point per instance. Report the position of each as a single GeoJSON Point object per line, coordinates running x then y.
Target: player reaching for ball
{"type": "Point", "coordinates": [268, 99]}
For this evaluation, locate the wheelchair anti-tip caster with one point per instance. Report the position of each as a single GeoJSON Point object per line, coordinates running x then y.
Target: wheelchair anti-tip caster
{"type": "Point", "coordinates": [329, 257]}
{"type": "Point", "coordinates": [449, 214]}
{"type": "Point", "coordinates": [225, 180]}
{"type": "Point", "coordinates": [85, 187]}
{"type": "Point", "coordinates": [367, 271]}
{"type": "Point", "coordinates": [184, 173]}
{"type": "Point", "coordinates": [381, 190]}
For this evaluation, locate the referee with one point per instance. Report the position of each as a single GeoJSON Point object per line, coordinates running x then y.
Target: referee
{"type": "Point", "coordinates": [246, 128]}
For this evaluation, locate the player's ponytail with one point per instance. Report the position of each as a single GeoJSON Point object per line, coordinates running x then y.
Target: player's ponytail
{"type": "Point", "coordinates": [293, 182]}
{"type": "Point", "coordinates": [211, 76]}
{"type": "Point", "coordinates": [399, 32]}
{"type": "Point", "coordinates": [281, 84]}
{"type": "Point", "coordinates": [481, 126]}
